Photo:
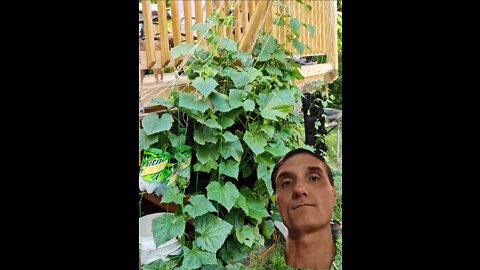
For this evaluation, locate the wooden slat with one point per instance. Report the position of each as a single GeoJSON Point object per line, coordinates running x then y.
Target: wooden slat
{"type": "Point", "coordinates": [238, 21]}
{"type": "Point", "coordinates": [317, 72]}
{"type": "Point", "coordinates": [254, 25]}
{"type": "Point", "coordinates": [177, 38]}
{"type": "Point", "coordinates": [148, 26]}
{"type": "Point", "coordinates": [208, 8]}
{"type": "Point", "coordinates": [228, 6]}
{"type": "Point", "coordinates": [244, 15]}
{"type": "Point", "coordinates": [143, 60]}
{"type": "Point", "coordinates": [199, 18]}
{"type": "Point", "coordinates": [268, 21]}
{"type": "Point", "coordinates": [162, 23]}
{"type": "Point", "coordinates": [221, 14]}
{"type": "Point", "coordinates": [250, 10]}
{"type": "Point", "coordinates": [187, 10]}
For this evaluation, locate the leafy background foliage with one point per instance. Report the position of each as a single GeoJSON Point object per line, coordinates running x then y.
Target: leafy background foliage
{"type": "Point", "coordinates": [245, 112]}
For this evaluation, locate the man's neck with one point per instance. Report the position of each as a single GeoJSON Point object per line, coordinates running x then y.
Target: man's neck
{"type": "Point", "coordinates": [315, 250]}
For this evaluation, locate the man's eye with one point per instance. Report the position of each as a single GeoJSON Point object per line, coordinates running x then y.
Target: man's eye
{"type": "Point", "coordinates": [286, 182]}
{"type": "Point", "coordinates": [314, 178]}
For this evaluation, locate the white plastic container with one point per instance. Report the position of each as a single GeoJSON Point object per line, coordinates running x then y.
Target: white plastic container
{"type": "Point", "coordinates": [148, 251]}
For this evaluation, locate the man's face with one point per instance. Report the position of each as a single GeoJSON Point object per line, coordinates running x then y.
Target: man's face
{"type": "Point", "coordinates": [304, 195]}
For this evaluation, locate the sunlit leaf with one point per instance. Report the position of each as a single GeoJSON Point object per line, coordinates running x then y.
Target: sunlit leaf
{"type": "Point", "coordinates": [212, 232]}
{"type": "Point", "coordinates": [226, 195]}
{"type": "Point", "coordinates": [255, 142]}
{"type": "Point", "coordinates": [166, 227]}
{"type": "Point", "coordinates": [199, 205]}
{"type": "Point", "coordinates": [152, 124]}
{"type": "Point", "coordinates": [195, 258]}
{"type": "Point", "coordinates": [205, 86]}
{"type": "Point", "coordinates": [145, 141]}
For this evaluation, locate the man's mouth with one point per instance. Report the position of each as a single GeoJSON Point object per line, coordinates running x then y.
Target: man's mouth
{"type": "Point", "coordinates": [301, 205]}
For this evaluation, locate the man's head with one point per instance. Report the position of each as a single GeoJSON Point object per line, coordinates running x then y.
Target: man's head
{"type": "Point", "coordinates": [304, 191]}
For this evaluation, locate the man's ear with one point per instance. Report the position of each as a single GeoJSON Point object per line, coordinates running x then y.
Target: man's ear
{"type": "Point", "coordinates": [334, 195]}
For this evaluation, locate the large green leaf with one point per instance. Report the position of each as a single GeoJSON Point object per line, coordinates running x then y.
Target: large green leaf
{"type": "Point", "coordinates": [245, 235]}
{"type": "Point", "coordinates": [265, 174]}
{"type": "Point", "coordinates": [231, 251]}
{"type": "Point", "coordinates": [241, 202]}
{"type": "Point", "coordinates": [236, 98]}
{"type": "Point", "coordinates": [211, 164]}
{"type": "Point", "coordinates": [172, 194]}
{"type": "Point", "coordinates": [240, 78]}
{"type": "Point", "coordinates": [228, 44]}
{"type": "Point", "coordinates": [198, 206]}
{"type": "Point", "coordinates": [273, 70]}
{"type": "Point", "coordinates": [245, 58]}
{"type": "Point", "coordinates": [189, 101]}
{"type": "Point", "coordinates": [232, 149]}
{"type": "Point", "coordinates": [256, 143]}
{"type": "Point", "coordinates": [230, 168]}
{"type": "Point", "coordinates": [295, 25]}
{"type": "Point", "coordinates": [226, 195]}
{"type": "Point", "coordinates": [205, 135]}
{"type": "Point", "coordinates": [299, 46]}
{"type": "Point", "coordinates": [272, 107]}
{"type": "Point", "coordinates": [235, 218]}
{"type": "Point", "coordinates": [211, 267]}
{"type": "Point", "coordinates": [181, 50]}
{"type": "Point", "coordinates": [167, 104]}
{"type": "Point", "coordinates": [277, 149]}
{"type": "Point", "coordinates": [166, 227]}
{"type": "Point", "coordinates": [225, 122]}
{"type": "Point", "coordinates": [152, 124]}
{"type": "Point", "coordinates": [270, 43]}
{"type": "Point", "coordinates": [205, 86]}
{"type": "Point", "coordinates": [286, 96]}
{"type": "Point", "coordinates": [269, 130]}
{"type": "Point", "coordinates": [207, 152]}
{"type": "Point", "coordinates": [195, 258]}
{"type": "Point", "coordinates": [146, 140]}
{"type": "Point", "coordinates": [158, 265]}
{"type": "Point", "coordinates": [280, 56]}
{"type": "Point", "coordinates": [176, 141]}
{"type": "Point", "coordinates": [202, 28]}
{"type": "Point", "coordinates": [229, 137]}
{"type": "Point", "coordinates": [212, 123]}
{"type": "Point", "coordinates": [220, 101]}
{"type": "Point", "coordinates": [264, 159]}
{"type": "Point", "coordinates": [212, 232]}
{"type": "Point", "coordinates": [267, 228]}
{"type": "Point", "coordinates": [253, 73]}
{"type": "Point", "coordinates": [249, 105]}
{"type": "Point", "coordinates": [256, 209]}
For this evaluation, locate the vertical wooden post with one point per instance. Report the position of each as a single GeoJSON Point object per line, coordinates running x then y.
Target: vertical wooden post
{"type": "Point", "coordinates": [228, 6]}
{"type": "Point", "coordinates": [177, 38]}
{"type": "Point", "coordinates": [208, 8]}
{"type": "Point", "coordinates": [244, 15]}
{"type": "Point", "coordinates": [254, 25]}
{"type": "Point", "coordinates": [237, 24]}
{"type": "Point", "coordinates": [148, 26]}
{"type": "Point", "coordinates": [162, 24]}
{"type": "Point", "coordinates": [187, 10]}
{"type": "Point", "coordinates": [199, 19]}
{"type": "Point", "coordinates": [175, 23]}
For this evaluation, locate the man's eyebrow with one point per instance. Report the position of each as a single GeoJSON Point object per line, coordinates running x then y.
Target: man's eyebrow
{"type": "Point", "coordinates": [284, 174]}
{"type": "Point", "coordinates": [314, 169]}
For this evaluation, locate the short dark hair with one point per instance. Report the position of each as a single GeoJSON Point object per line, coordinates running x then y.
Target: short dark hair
{"type": "Point", "coordinates": [295, 152]}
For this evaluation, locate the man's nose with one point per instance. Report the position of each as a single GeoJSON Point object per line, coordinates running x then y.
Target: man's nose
{"type": "Point", "coordinates": [299, 189]}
